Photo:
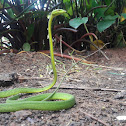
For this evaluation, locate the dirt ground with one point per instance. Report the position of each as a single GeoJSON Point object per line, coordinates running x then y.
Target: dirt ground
{"type": "Point", "coordinates": [100, 90]}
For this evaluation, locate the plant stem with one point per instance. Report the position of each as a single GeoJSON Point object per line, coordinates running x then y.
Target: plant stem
{"type": "Point", "coordinates": [91, 39]}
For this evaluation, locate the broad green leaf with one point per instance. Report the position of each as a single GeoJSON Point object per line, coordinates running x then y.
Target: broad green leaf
{"type": "Point", "coordinates": [110, 11]}
{"type": "Point", "coordinates": [21, 1]}
{"type": "Point", "coordinates": [2, 1]}
{"type": "Point", "coordinates": [10, 12]}
{"type": "Point", "coordinates": [124, 15]}
{"type": "Point", "coordinates": [107, 2]}
{"type": "Point", "coordinates": [1, 5]}
{"type": "Point", "coordinates": [119, 40]}
{"type": "Point", "coordinates": [107, 22]}
{"type": "Point", "coordinates": [90, 4]}
{"type": "Point", "coordinates": [99, 12]}
{"type": "Point", "coordinates": [70, 11]}
{"type": "Point", "coordinates": [110, 18]}
{"type": "Point", "coordinates": [102, 25]}
{"type": "Point", "coordinates": [68, 7]}
{"type": "Point", "coordinates": [30, 31]}
{"type": "Point", "coordinates": [26, 46]}
{"type": "Point", "coordinates": [76, 22]}
{"type": "Point", "coordinates": [94, 3]}
{"type": "Point", "coordinates": [64, 1]}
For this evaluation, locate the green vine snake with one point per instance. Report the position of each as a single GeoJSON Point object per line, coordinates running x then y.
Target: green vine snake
{"type": "Point", "coordinates": [47, 101]}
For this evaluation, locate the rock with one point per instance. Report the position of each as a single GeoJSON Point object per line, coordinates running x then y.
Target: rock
{"type": "Point", "coordinates": [22, 113]}
{"type": "Point", "coordinates": [30, 120]}
{"type": "Point", "coordinates": [120, 95]}
{"type": "Point", "coordinates": [7, 79]}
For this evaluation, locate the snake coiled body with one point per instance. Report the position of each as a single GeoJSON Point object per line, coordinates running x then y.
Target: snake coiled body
{"type": "Point", "coordinates": [47, 101]}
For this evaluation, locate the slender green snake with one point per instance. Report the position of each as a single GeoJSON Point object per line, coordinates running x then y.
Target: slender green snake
{"type": "Point", "coordinates": [47, 101]}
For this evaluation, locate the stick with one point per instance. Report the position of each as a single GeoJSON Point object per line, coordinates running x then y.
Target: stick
{"type": "Point", "coordinates": [96, 119]}
{"type": "Point", "coordinates": [89, 88]}
{"type": "Point", "coordinates": [96, 51]}
{"type": "Point", "coordinates": [67, 87]}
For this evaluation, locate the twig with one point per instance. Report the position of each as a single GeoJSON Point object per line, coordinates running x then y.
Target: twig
{"type": "Point", "coordinates": [68, 57]}
{"type": "Point", "coordinates": [96, 119]}
{"type": "Point", "coordinates": [77, 59]}
{"type": "Point", "coordinates": [26, 53]}
{"type": "Point", "coordinates": [69, 45]}
{"type": "Point", "coordinates": [96, 51]}
{"type": "Point", "coordinates": [64, 29]}
{"type": "Point", "coordinates": [89, 88]}
{"type": "Point", "coordinates": [88, 34]}
{"type": "Point", "coordinates": [61, 51]}
{"type": "Point", "coordinates": [31, 78]}
{"type": "Point", "coordinates": [67, 87]}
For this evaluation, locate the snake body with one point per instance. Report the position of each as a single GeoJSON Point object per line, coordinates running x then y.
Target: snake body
{"type": "Point", "coordinates": [57, 101]}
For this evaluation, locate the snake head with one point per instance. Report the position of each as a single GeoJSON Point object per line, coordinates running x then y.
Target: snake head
{"type": "Point", "coordinates": [58, 12]}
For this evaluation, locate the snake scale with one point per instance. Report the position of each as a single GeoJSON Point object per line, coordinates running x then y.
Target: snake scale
{"type": "Point", "coordinates": [56, 101]}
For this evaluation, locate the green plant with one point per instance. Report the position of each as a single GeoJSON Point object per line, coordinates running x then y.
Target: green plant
{"type": "Point", "coordinates": [102, 16]}
{"type": "Point", "coordinates": [25, 22]}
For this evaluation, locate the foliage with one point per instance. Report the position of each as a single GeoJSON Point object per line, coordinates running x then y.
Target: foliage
{"type": "Point", "coordinates": [26, 22]}
{"type": "Point", "coordinates": [106, 22]}
{"type": "Point", "coordinates": [76, 22]}
{"type": "Point", "coordinates": [105, 15]}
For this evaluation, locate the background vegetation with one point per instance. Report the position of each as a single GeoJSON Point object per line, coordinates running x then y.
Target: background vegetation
{"type": "Point", "coordinates": [23, 23]}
